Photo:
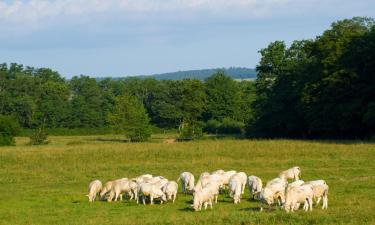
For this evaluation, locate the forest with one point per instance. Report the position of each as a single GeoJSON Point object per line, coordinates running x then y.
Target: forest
{"type": "Point", "coordinates": [318, 88]}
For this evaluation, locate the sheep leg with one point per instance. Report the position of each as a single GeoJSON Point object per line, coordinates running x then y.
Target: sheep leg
{"type": "Point", "coordinates": [143, 199]}
{"type": "Point", "coordinates": [151, 199]}
{"type": "Point", "coordinates": [174, 197]}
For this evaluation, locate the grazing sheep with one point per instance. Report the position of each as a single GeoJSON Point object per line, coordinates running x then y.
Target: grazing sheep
{"type": "Point", "coordinates": [316, 182]}
{"type": "Point", "coordinates": [292, 173]}
{"type": "Point", "coordinates": [94, 189]}
{"type": "Point", "coordinates": [274, 190]}
{"type": "Point", "coordinates": [255, 186]}
{"type": "Point", "coordinates": [170, 189]}
{"type": "Point", "coordinates": [320, 192]}
{"type": "Point", "coordinates": [226, 176]}
{"type": "Point", "coordinates": [296, 183]}
{"type": "Point", "coordinates": [187, 182]}
{"type": "Point", "coordinates": [107, 188]}
{"type": "Point", "coordinates": [218, 172]}
{"type": "Point", "coordinates": [235, 186]}
{"type": "Point", "coordinates": [298, 195]}
{"type": "Point", "coordinates": [153, 191]}
{"type": "Point", "coordinates": [202, 197]}
{"type": "Point", "coordinates": [118, 188]}
{"type": "Point", "coordinates": [214, 187]}
{"type": "Point", "coordinates": [205, 179]}
{"type": "Point", "coordinates": [142, 178]}
{"type": "Point", "coordinates": [243, 178]}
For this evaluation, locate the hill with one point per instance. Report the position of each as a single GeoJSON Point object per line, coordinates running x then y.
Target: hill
{"type": "Point", "coordinates": [238, 73]}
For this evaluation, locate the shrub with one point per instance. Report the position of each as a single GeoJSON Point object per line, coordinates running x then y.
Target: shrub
{"type": "Point", "coordinates": [191, 130]}
{"type": "Point", "coordinates": [227, 126]}
{"type": "Point", "coordinates": [9, 128]}
{"type": "Point", "coordinates": [212, 126]}
{"type": "Point", "coordinates": [230, 126]}
{"type": "Point", "coordinates": [39, 137]}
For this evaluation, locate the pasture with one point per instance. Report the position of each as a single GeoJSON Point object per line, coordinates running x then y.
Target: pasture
{"type": "Point", "coordinates": [48, 184]}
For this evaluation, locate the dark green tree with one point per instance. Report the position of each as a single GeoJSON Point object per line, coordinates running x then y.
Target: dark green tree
{"type": "Point", "coordinates": [130, 117]}
{"type": "Point", "coordinates": [9, 128]}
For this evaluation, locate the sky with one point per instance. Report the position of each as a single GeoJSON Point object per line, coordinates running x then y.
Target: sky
{"type": "Point", "coordinates": [142, 37]}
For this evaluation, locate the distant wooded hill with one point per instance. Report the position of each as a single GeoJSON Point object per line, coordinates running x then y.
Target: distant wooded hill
{"type": "Point", "coordinates": [233, 72]}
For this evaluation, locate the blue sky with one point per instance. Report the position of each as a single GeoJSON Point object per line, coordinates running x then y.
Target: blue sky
{"type": "Point", "coordinates": [132, 37]}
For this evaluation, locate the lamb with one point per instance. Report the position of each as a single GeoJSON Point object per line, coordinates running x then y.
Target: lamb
{"type": "Point", "coordinates": [202, 197]}
{"type": "Point", "coordinates": [187, 182]}
{"type": "Point", "coordinates": [255, 186]}
{"type": "Point", "coordinates": [235, 188]}
{"type": "Point", "coordinates": [320, 192]}
{"type": "Point", "coordinates": [170, 190]}
{"type": "Point", "coordinates": [147, 189]}
{"type": "Point", "coordinates": [298, 195]}
{"type": "Point", "coordinates": [94, 189]}
{"type": "Point", "coordinates": [274, 190]}
{"type": "Point", "coordinates": [292, 173]}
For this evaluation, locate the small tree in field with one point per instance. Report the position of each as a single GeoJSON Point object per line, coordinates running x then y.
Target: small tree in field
{"type": "Point", "coordinates": [39, 137]}
{"type": "Point", "coordinates": [8, 130]}
{"type": "Point", "coordinates": [130, 117]}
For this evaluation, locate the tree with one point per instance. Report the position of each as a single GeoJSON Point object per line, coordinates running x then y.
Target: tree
{"type": "Point", "coordinates": [9, 128]}
{"type": "Point", "coordinates": [130, 117]}
{"type": "Point", "coordinates": [223, 97]}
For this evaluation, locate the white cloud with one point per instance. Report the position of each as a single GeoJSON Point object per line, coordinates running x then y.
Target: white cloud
{"type": "Point", "coordinates": [33, 12]}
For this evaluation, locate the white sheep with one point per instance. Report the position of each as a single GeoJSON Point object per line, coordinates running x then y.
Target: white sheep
{"type": "Point", "coordinates": [298, 195]}
{"type": "Point", "coordinates": [94, 189]}
{"type": "Point", "coordinates": [292, 173]}
{"type": "Point", "coordinates": [202, 197]}
{"type": "Point", "coordinates": [274, 190]}
{"type": "Point", "coordinates": [107, 188]}
{"type": "Point", "coordinates": [187, 182]}
{"type": "Point", "coordinates": [243, 178]}
{"type": "Point", "coordinates": [320, 189]}
{"type": "Point", "coordinates": [118, 188]}
{"type": "Point", "coordinates": [170, 189]}
{"type": "Point", "coordinates": [235, 186]}
{"type": "Point", "coordinates": [255, 186]}
{"type": "Point", "coordinates": [153, 191]}
{"type": "Point", "coordinates": [296, 183]}
{"type": "Point", "coordinates": [214, 187]}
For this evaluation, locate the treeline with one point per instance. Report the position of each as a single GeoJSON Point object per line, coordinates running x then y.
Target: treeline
{"type": "Point", "coordinates": [42, 97]}
{"type": "Point", "coordinates": [321, 88]}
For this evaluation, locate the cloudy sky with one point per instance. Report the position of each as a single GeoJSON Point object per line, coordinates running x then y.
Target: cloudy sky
{"type": "Point", "coordinates": [131, 37]}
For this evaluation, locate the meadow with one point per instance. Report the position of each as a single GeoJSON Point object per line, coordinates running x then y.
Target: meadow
{"type": "Point", "coordinates": [48, 184]}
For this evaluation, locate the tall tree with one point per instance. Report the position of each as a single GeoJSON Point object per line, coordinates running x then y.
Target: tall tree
{"type": "Point", "coordinates": [130, 117]}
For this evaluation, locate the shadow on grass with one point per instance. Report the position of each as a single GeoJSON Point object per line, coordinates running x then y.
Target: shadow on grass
{"type": "Point", "coordinates": [187, 209]}
{"type": "Point", "coordinates": [251, 209]}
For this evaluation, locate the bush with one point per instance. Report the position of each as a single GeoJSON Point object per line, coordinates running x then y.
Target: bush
{"type": "Point", "coordinates": [191, 130]}
{"type": "Point", "coordinates": [39, 137]}
{"type": "Point", "coordinates": [230, 126]}
{"type": "Point", "coordinates": [9, 128]}
{"type": "Point", "coordinates": [212, 126]}
{"type": "Point", "coordinates": [227, 126]}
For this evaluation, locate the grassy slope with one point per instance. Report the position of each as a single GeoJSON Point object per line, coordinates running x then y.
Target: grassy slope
{"type": "Point", "coordinates": [47, 185]}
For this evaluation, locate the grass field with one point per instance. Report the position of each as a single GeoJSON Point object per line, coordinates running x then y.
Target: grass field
{"type": "Point", "coordinates": [47, 185]}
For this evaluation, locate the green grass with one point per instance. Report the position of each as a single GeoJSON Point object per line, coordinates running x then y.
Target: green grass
{"type": "Point", "coordinates": [47, 184]}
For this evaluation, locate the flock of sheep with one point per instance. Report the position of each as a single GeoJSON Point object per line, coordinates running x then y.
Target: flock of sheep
{"type": "Point", "coordinates": [289, 196]}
